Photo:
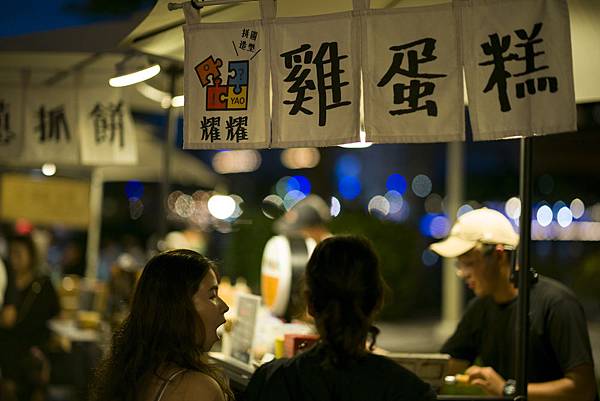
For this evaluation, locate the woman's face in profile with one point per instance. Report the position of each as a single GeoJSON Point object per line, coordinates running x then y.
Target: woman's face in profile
{"type": "Point", "coordinates": [210, 307]}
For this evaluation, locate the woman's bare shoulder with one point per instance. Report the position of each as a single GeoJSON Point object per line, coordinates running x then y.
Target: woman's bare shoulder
{"type": "Point", "coordinates": [199, 386]}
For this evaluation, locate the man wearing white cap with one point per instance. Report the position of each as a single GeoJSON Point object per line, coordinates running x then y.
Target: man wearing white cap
{"type": "Point", "coordinates": [560, 357]}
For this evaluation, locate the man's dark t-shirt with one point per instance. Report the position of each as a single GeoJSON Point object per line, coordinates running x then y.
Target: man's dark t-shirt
{"type": "Point", "coordinates": [304, 378]}
{"type": "Point", "coordinates": [558, 336]}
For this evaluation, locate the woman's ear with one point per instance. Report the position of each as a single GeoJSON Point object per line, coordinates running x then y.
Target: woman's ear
{"type": "Point", "coordinates": [309, 304]}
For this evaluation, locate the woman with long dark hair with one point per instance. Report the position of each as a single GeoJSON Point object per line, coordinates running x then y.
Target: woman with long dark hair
{"type": "Point", "coordinates": [344, 292]}
{"type": "Point", "coordinates": [24, 343]}
{"type": "Point", "coordinates": [160, 351]}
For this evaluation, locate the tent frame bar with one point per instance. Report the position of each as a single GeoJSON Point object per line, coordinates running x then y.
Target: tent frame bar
{"type": "Point", "coordinates": [199, 4]}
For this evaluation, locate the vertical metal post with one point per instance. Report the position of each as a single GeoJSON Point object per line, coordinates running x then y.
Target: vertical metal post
{"type": "Point", "coordinates": [165, 185]}
{"type": "Point", "coordinates": [524, 282]}
{"type": "Point", "coordinates": [95, 224]}
{"type": "Point", "coordinates": [452, 286]}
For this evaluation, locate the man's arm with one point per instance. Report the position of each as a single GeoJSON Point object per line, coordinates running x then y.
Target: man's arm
{"type": "Point", "coordinates": [578, 384]}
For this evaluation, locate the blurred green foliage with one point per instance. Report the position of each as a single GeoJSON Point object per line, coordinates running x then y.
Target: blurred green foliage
{"type": "Point", "coordinates": [414, 288]}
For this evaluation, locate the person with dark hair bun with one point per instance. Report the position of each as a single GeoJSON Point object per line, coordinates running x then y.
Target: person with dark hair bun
{"type": "Point", "coordinates": [344, 291]}
{"type": "Point", "coordinates": [160, 350]}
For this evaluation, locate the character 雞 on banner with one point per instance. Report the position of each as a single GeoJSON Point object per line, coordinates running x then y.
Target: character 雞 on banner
{"type": "Point", "coordinates": [316, 81]}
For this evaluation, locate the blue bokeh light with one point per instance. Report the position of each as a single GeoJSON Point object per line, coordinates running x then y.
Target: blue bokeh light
{"type": "Point", "coordinates": [134, 189]}
{"type": "Point", "coordinates": [396, 182]}
{"type": "Point", "coordinates": [349, 187]}
{"type": "Point", "coordinates": [347, 165]}
{"type": "Point", "coordinates": [303, 184]}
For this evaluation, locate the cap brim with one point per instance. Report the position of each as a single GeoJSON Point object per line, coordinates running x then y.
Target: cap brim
{"type": "Point", "coordinates": [452, 247]}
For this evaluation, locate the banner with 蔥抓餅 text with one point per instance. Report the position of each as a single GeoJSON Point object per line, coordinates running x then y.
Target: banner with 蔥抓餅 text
{"type": "Point", "coordinates": [315, 72]}
{"type": "Point", "coordinates": [226, 85]}
{"type": "Point", "coordinates": [518, 67]}
{"type": "Point", "coordinates": [106, 129]}
{"type": "Point", "coordinates": [412, 75]}
{"type": "Point", "coordinates": [51, 129]}
{"type": "Point", "coordinates": [11, 122]}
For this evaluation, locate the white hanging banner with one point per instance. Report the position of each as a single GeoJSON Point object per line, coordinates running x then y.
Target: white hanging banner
{"type": "Point", "coordinates": [51, 130]}
{"type": "Point", "coordinates": [412, 75]}
{"type": "Point", "coordinates": [11, 123]}
{"type": "Point", "coordinates": [106, 128]}
{"type": "Point", "coordinates": [315, 66]}
{"type": "Point", "coordinates": [518, 67]}
{"type": "Point", "coordinates": [226, 86]}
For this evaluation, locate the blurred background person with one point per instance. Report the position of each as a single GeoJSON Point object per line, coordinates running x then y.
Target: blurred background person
{"type": "Point", "coordinates": [24, 344]}
{"type": "Point", "coordinates": [344, 292]}
{"type": "Point", "coordinates": [160, 350]}
{"type": "Point", "coordinates": [308, 218]}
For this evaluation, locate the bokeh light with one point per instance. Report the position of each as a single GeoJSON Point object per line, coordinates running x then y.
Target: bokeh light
{"type": "Point", "coordinates": [272, 206]}
{"type": "Point", "coordinates": [304, 185]}
{"type": "Point", "coordinates": [297, 158]}
{"type": "Point", "coordinates": [421, 185]}
{"type": "Point", "coordinates": [429, 258]}
{"type": "Point", "coordinates": [49, 169]}
{"type": "Point", "coordinates": [544, 215]}
{"type": "Point", "coordinates": [184, 205]}
{"type": "Point", "coordinates": [439, 226]}
{"type": "Point", "coordinates": [396, 182]}
{"type": "Point", "coordinates": [466, 208]}
{"type": "Point", "coordinates": [577, 208]}
{"type": "Point", "coordinates": [221, 206]}
{"type": "Point", "coordinates": [513, 208]}
{"type": "Point", "coordinates": [236, 161]}
{"type": "Point", "coordinates": [564, 217]}
{"type": "Point", "coordinates": [336, 207]}
{"type": "Point", "coordinates": [395, 200]}
{"type": "Point", "coordinates": [433, 203]}
{"type": "Point", "coordinates": [292, 197]}
{"type": "Point", "coordinates": [349, 187]}
{"type": "Point", "coordinates": [347, 165]}
{"type": "Point", "coordinates": [379, 206]}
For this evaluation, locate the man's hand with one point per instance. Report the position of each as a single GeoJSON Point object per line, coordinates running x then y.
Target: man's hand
{"type": "Point", "coordinates": [486, 378]}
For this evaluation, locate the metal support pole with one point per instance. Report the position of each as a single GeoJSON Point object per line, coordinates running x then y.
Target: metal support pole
{"type": "Point", "coordinates": [95, 224]}
{"type": "Point", "coordinates": [452, 286]}
{"type": "Point", "coordinates": [524, 282]}
{"type": "Point", "coordinates": [165, 185]}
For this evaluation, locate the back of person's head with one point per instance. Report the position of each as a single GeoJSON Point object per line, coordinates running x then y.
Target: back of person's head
{"type": "Point", "coordinates": [163, 325]}
{"type": "Point", "coordinates": [344, 291]}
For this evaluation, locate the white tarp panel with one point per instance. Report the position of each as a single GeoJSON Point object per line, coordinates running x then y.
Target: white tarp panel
{"type": "Point", "coordinates": [226, 86]}
{"type": "Point", "coordinates": [412, 75]}
{"type": "Point", "coordinates": [315, 64]}
{"type": "Point", "coordinates": [518, 69]}
{"type": "Point", "coordinates": [51, 133]}
{"type": "Point", "coordinates": [106, 127]}
{"type": "Point", "coordinates": [11, 122]}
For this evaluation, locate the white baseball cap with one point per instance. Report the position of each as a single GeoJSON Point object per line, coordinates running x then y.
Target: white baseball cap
{"type": "Point", "coordinates": [483, 225]}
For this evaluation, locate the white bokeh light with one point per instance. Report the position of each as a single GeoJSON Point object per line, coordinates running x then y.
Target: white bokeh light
{"type": "Point", "coordinates": [221, 206]}
{"type": "Point", "coordinates": [577, 208]}
{"type": "Point", "coordinates": [379, 205]}
{"type": "Point", "coordinates": [544, 216]}
{"type": "Point", "coordinates": [564, 217]}
{"type": "Point", "coordinates": [513, 208]}
{"type": "Point", "coordinates": [421, 185]}
{"type": "Point", "coordinates": [336, 207]}
{"type": "Point", "coordinates": [49, 169]}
